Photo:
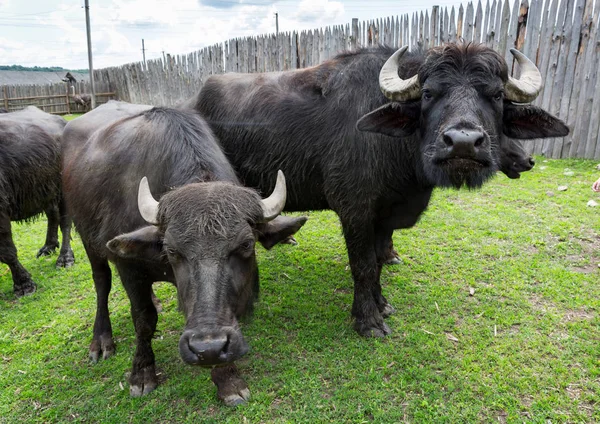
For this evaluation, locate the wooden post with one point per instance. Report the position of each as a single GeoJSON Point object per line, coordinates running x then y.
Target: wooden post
{"type": "Point", "coordinates": [354, 39]}
{"type": "Point", "coordinates": [89, 46]}
{"type": "Point", "coordinates": [67, 99]}
{"type": "Point", "coordinates": [459, 24]}
{"type": "Point", "coordinates": [5, 91]}
{"type": "Point", "coordinates": [523, 14]}
{"type": "Point", "coordinates": [434, 32]}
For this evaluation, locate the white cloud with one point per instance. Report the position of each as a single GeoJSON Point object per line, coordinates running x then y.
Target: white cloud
{"type": "Point", "coordinates": [243, 21]}
{"type": "Point", "coordinates": [145, 12]}
{"type": "Point", "coordinates": [220, 4]}
{"type": "Point", "coordinates": [319, 10]}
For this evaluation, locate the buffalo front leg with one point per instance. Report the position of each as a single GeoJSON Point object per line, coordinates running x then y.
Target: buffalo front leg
{"type": "Point", "coordinates": [231, 388]}
{"type": "Point", "coordinates": [22, 282]}
{"type": "Point", "coordinates": [138, 286]}
{"type": "Point", "coordinates": [66, 258]}
{"type": "Point", "coordinates": [51, 243]}
{"type": "Point", "coordinates": [102, 339]}
{"type": "Point", "coordinates": [366, 270]}
{"type": "Point", "coordinates": [383, 244]}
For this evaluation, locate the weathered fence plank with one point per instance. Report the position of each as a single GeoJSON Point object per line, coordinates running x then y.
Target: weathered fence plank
{"type": "Point", "coordinates": [571, 42]}
{"type": "Point", "coordinates": [478, 23]}
{"type": "Point", "coordinates": [468, 24]}
{"type": "Point", "coordinates": [547, 65]}
{"type": "Point", "coordinates": [585, 82]}
{"type": "Point", "coordinates": [565, 15]}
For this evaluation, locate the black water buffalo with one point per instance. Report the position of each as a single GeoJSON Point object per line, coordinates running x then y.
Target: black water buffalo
{"type": "Point", "coordinates": [375, 158]}
{"type": "Point", "coordinates": [514, 159]}
{"type": "Point", "coordinates": [30, 185]}
{"type": "Point", "coordinates": [200, 235]}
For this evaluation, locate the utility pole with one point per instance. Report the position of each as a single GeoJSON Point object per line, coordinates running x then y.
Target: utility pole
{"type": "Point", "coordinates": [89, 46]}
{"type": "Point", "coordinates": [144, 52]}
{"type": "Point", "coordinates": [276, 23]}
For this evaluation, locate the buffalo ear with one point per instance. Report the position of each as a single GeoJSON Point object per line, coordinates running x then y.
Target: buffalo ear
{"type": "Point", "coordinates": [393, 119]}
{"type": "Point", "coordinates": [526, 122]}
{"type": "Point", "coordinates": [145, 243]}
{"type": "Point", "coordinates": [272, 232]}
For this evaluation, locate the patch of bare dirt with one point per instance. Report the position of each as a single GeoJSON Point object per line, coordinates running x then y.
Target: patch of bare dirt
{"type": "Point", "coordinates": [587, 269]}
{"type": "Point", "coordinates": [590, 244]}
{"type": "Point", "coordinates": [574, 391]}
{"type": "Point", "coordinates": [540, 304]}
{"type": "Point", "coordinates": [587, 408]}
{"type": "Point", "coordinates": [576, 315]}
{"type": "Point", "coordinates": [527, 401]}
{"type": "Point", "coordinates": [342, 290]}
{"type": "Point", "coordinates": [501, 416]}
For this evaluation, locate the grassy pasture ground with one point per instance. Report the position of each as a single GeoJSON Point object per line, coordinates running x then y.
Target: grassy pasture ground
{"type": "Point", "coordinates": [525, 347]}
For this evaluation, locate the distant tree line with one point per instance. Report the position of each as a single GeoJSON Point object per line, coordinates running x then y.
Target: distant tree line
{"type": "Point", "coordinates": [40, 69]}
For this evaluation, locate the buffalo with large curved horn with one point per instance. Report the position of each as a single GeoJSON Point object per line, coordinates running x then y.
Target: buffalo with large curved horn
{"type": "Point", "coordinates": [272, 206]}
{"type": "Point", "coordinates": [522, 90]}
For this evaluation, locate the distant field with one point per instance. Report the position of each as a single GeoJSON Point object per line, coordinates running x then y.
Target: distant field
{"type": "Point", "coordinates": [525, 347]}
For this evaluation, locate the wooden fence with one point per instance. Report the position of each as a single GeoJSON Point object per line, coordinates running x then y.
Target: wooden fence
{"type": "Point", "coordinates": [562, 37]}
{"type": "Point", "coordinates": [52, 98]}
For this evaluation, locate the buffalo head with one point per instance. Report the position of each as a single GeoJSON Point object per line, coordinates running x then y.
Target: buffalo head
{"type": "Point", "coordinates": [460, 104]}
{"type": "Point", "coordinates": [514, 159]}
{"type": "Point", "coordinates": [206, 233]}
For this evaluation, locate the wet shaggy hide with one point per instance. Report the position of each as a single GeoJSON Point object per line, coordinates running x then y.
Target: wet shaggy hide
{"type": "Point", "coordinates": [219, 209]}
{"type": "Point", "coordinates": [454, 61]}
{"type": "Point", "coordinates": [30, 183]}
{"type": "Point", "coordinates": [29, 170]}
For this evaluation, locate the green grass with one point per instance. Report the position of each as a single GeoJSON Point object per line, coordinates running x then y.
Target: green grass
{"type": "Point", "coordinates": [528, 346]}
{"type": "Point", "coordinates": [72, 116]}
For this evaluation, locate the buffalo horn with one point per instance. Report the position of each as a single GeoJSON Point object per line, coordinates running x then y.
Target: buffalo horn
{"type": "Point", "coordinates": [526, 88]}
{"type": "Point", "coordinates": [394, 87]}
{"type": "Point", "coordinates": [147, 205]}
{"type": "Point", "coordinates": [273, 205]}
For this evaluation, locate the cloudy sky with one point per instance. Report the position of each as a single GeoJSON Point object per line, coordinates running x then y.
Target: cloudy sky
{"type": "Point", "coordinates": [52, 32]}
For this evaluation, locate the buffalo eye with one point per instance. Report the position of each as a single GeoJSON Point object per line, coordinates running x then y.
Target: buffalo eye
{"type": "Point", "coordinates": [499, 96]}
{"type": "Point", "coordinates": [427, 95]}
{"type": "Point", "coordinates": [246, 248]}
{"type": "Point", "coordinates": [172, 253]}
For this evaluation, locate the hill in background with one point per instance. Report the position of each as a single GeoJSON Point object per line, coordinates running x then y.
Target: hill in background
{"type": "Point", "coordinates": [40, 69]}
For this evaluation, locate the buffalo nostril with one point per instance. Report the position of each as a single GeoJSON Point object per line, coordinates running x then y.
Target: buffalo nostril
{"type": "Point", "coordinates": [209, 349]}
{"type": "Point", "coordinates": [448, 140]}
{"type": "Point", "coordinates": [531, 161]}
{"type": "Point", "coordinates": [463, 139]}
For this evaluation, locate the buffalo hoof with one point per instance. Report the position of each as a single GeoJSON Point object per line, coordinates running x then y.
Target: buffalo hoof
{"type": "Point", "coordinates": [289, 240]}
{"type": "Point", "coordinates": [231, 388]}
{"type": "Point", "coordinates": [65, 260]}
{"type": "Point", "coordinates": [105, 345]}
{"type": "Point", "coordinates": [369, 328]}
{"type": "Point", "coordinates": [388, 310]}
{"type": "Point", "coordinates": [394, 260]}
{"type": "Point", "coordinates": [143, 381]}
{"type": "Point", "coordinates": [46, 250]}
{"type": "Point", "coordinates": [25, 288]}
